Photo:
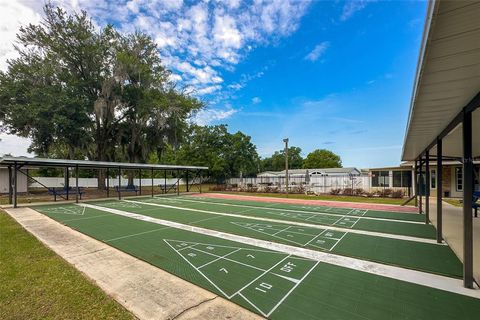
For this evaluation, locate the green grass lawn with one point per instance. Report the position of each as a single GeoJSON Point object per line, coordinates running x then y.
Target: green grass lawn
{"type": "Point", "coordinates": [324, 197]}
{"type": "Point", "coordinates": [38, 284]}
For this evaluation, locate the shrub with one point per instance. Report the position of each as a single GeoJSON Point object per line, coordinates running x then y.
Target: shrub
{"type": "Point", "coordinates": [218, 187]}
{"type": "Point", "coordinates": [398, 194]}
{"type": "Point", "coordinates": [384, 192]}
{"type": "Point", "coordinates": [368, 194]}
{"type": "Point", "coordinates": [335, 191]}
{"type": "Point", "coordinates": [358, 191]}
{"type": "Point", "coordinates": [348, 192]}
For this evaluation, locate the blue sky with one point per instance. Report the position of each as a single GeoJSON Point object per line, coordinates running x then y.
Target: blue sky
{"type": "Point", "coordinates": [326, 74]}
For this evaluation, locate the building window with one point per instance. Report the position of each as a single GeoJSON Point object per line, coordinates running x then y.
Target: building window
{"type": "Point", "coordinates": [380, 179]}
{"type": "Point", "coordinates": [401, 178]}
{"type": "Point", "coordinates": [459, 178]}
{"type": "Point", "coordinates": [397, 179]}
{"type": "Point", "coordinates": [433, 179]}
{"type": "Point", "coordinates": [406, 178]}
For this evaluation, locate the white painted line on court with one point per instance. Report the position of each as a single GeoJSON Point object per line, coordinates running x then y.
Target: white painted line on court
{"type": "Point", "coordinates": [291, 290]}
{"type": "Point", "coordinates": [318, 235]}
{"type": "Point", "coordinates": [300, 211]}
{"type": "Point", "coordinates": [302, 224]}
{"type": "Point", "coordinates": [393, 272]}
{"type": "Point", "coordinates": [338, 241]}
{"type": "Point", "coordinates": [220, 257]}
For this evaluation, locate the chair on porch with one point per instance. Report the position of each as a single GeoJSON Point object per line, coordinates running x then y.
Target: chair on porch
{"type": "Point", "coordinates": [475, 205]}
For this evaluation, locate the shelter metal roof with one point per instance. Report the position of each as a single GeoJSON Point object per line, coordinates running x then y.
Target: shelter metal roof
{"type": "Point", "coordinates": [43, 162]}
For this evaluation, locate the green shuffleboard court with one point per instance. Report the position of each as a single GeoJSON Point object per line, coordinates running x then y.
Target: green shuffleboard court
{"type": "Point", "coordinates": [429, 257]}
{"type": "Point", "coordinates": [353, 218]}
{"type": "Point", "coordinates": [275, 284]}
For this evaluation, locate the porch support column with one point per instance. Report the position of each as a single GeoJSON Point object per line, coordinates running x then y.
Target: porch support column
{"type": "Point", "coordinates": [467, 201]}
{"type": "Point", "coordinates": [439, 190]}
{"type": "Point", "coordinates": [420, 186]}
{"type": "Point", "coordinates": [415, 183]}
{"type": "Point", "coordinates": [152, 181]}
{"type": "Point", "coordinates": [427, 187]}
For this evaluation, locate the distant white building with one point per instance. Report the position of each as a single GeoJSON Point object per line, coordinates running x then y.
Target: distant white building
{"type": "Point", "coordinates": [313, 172]}
{"type": "Point", "coordinates": [21, 181]}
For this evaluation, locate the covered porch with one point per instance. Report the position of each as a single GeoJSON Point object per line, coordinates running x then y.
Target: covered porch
{"type": "Point", "coordinates": [444, 123]}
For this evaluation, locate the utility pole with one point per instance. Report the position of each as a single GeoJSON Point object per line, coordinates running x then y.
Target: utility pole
{"type": "Point", "coordinates": [286, 164]}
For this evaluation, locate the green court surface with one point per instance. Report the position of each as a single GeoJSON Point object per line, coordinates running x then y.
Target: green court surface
{"type": "Point", "coordinates": [273, 284]}
{"type": "Point", "coordinates": [409, 254]}
{"type": "Point", "coordinates": [313, 208]}
{"type": "Point", "coordinates": [353, 218]}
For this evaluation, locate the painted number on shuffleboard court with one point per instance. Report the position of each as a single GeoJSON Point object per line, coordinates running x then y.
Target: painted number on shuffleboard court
{"type": "Point", "coordinates": [263, 287]}
{"type": "Point", "coordinates": [288, 267]}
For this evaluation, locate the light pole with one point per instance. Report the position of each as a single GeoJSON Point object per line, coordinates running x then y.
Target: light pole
{"type": "Point", "coordinates": [286, 164]}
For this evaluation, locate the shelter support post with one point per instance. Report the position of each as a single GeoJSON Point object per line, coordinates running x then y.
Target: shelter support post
{"type": "Point", "coordinates": [119, 183]}
{"type": "Point", "coordinates": [186, 178]}
{"type": "Point", "coordinates": [10, 191]}
{"type": "Point", "coordinates": [14, 185]}
{"type": "Point", "coordinates": [467, 201]}
{"type": "Point", "coordinates": [439, 190]}
{"type": "Point", "coordinates": [108, 183]}
{"type": "Point", "coordinates": [165, 181]}
{"type": "Point", "coordinates": [427, 186]}
{"type": "Point", "coordinates": [140, 181]}
{"type": "Point", "coordinates": [66, 183]}
{"type": "Point", "coordinates": [76, 185]}
{"type": "Point", "coordinates": [178, 182]}
{"type": "Point", "coordinates": [152, 181]}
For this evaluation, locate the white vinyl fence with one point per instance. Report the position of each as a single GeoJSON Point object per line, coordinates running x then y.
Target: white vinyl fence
{"type": "Point", "coordinates": [53, 182]}
{"type": "Point", "coordinates": [316, 184]}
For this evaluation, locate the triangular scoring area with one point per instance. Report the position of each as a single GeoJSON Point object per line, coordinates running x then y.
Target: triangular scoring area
{"type": "Point", "coordinates": [323, 239]}
{"type": "Point", "coordinates": [229, 269]}
{"type": "Point", "coordinates": [72, 210]}
{"type": "Point", "coordinates": [120, 204]}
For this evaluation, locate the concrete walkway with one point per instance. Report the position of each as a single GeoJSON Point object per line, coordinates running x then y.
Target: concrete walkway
{"type": "Point", "coordinates": [453, 232]}
{"type": "Point", "coordinates": [147, 291]}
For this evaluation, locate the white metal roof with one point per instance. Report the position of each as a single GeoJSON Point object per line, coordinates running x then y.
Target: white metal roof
{"type": "Point", "coordinates": [323, 171]}
{"type": "Point", "coordinates": [447, 78]}
{"type": "Point", "coordinates": [38, 162]}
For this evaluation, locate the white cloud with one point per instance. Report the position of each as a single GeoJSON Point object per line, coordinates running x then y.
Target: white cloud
{"type": "Point", "coordinates": [207, 116]}
{"type": "Point", "coordinates": [256, 100]}
{"type": "Point", "coordinates": [207, 90]}
{"type": "Point", "coordinates": [12, 16]}
{"type": "Point", "coordinates": [351, 7]}
{"type": "Point", "coordinates": [14, 145]}
{"type": "Point", "coordinates": [198, 41]}
{"type": "Point", "coordinates": [318, 51]}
